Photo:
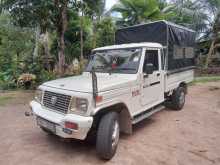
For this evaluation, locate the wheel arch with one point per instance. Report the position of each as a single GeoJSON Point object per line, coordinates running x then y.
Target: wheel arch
{"type": "Point", "coordinates": [184, 85]}
{"type": "Point", "coordinates": [181, 84]}
{"type": "Point", "coordinates": [125, 119]}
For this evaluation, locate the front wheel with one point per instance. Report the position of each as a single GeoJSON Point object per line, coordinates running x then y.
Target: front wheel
{"type": "Point", "coordinates": [108, 135]}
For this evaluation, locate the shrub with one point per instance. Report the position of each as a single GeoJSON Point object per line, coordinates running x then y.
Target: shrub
{"type": "Point", "coordinates": [45, 76]}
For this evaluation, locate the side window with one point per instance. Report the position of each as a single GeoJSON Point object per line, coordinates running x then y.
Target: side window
{"type": "Point", "coordinates": [151, 56]}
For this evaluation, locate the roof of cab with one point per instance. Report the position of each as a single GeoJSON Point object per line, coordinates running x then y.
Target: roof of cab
{"type": "Point", "coordinates": [131, 45]}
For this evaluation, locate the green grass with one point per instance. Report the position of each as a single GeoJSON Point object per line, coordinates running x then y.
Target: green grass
{"type": "Point", "coordinates": [5, 100]}
{"type": "Point", "coordinates": [206, 79]}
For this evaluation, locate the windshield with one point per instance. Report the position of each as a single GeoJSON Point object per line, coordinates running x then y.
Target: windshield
{"type": "Point", "coordinates": [115, 61]}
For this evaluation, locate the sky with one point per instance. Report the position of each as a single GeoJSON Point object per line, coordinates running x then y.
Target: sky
{"type": "Point", "coordinates": [110, 3]}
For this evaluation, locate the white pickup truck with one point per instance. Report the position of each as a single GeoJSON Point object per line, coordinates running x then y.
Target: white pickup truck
{"type": "Point", "coordinates": [122, 85]}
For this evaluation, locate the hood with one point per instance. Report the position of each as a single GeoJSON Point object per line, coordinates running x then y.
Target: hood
{"type": "Point", "coordinates": [83, 83]}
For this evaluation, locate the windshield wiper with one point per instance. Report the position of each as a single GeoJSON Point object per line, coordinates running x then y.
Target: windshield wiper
{"type": "Point", "coordinates": [124, 69]}
{"type": "Point", "coordinates": [99, 67]}
{"type": "Point", "coordinates": [103, 69]}
{"type": "Point", "coordinates": [117, 70]}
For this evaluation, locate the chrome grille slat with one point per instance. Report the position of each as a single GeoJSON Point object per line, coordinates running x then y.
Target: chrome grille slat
{"type": "Point", "coordinates": [58, 102]}
{"type": "Point", "coordinates": [62, 101]}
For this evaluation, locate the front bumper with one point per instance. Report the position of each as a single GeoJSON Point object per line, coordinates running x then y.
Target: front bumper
{"type": "Point", "coordinates": [84, 123]}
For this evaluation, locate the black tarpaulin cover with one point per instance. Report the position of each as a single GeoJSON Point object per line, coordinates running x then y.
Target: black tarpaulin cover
{"type": "Point", "coordinates": [178, 41]}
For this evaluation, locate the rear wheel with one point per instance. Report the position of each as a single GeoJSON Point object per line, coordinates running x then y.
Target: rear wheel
{"type": "Point", "coordinates": [108, 135]}
{"type": "Point", "coordinates": [177, 100]}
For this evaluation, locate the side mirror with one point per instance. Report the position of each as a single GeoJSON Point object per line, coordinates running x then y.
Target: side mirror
{"type": "Point", "coordinates": [149, 68]}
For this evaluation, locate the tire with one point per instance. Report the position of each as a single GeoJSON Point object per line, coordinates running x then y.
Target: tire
{"type": "Point", "coordinates": [178, 99]}
{"type": "Point", "coordinates": [91, 137]}
{"type": "Point", "coordinates": [108, 135]}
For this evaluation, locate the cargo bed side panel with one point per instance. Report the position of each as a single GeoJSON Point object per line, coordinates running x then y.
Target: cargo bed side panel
{"type": "Point", "coordinates": [172, 81]}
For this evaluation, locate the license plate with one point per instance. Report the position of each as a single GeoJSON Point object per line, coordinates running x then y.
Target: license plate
{"type": "Point", "coordinates": [46, 124]}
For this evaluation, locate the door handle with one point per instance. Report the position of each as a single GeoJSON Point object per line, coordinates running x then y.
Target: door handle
{"type": "Point", "coordinates": [158, 74]}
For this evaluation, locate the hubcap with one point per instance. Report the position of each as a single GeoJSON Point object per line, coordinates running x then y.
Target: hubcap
{"type": "Point", "coordinates": [115, 134]}
{"type": "Point", "coordinates": [182, 98]}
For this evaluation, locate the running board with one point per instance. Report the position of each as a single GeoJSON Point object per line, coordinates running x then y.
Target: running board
{"type": "Point", "coordinates": [147, 113]}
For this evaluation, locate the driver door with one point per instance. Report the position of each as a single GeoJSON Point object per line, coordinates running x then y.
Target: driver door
{"type": "Point", "coordinates": [152, 84]}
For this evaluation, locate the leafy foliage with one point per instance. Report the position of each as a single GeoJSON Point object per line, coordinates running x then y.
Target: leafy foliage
{"type": "Point", "coordinates": [137, 11]}
{"type": "Point", "coordinates": [36, 36]}
{"type": "Point", "coordinates": [105, 34]}
{"type": "Point", "coordinates": [15, 49]}
{"type": "Point", "coordinates": [72, 38]}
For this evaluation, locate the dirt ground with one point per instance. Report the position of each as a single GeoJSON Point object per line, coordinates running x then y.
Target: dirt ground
{"type": "Point", "coordinates": [187, 137]}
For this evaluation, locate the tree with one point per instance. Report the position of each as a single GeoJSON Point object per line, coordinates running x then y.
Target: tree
{"type": "Point", "coordinates": [73, 37]}
{"type": "Point", "coordinates": [105, 32]}
{"type": "Point", "coordinates": [95, 10]}
{"type": "Point", "coordinates": [16, 46]}
{"type": "Point", "coordinates": [61, 23]}
{"type": "Point", "coordinates": [137, 11]}
{"type": "Point", "coordinates": [214, 8]}
{"type": "Point", "coordinates": [32, 14]}
{"type": "Point", "coordinates": [189, 14]}
{"type": "Point", "coordinates": [46, 14]}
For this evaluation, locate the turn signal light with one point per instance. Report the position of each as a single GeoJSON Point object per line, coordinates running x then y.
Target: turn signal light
{"type": "Point", "coordinates": [71, 125]}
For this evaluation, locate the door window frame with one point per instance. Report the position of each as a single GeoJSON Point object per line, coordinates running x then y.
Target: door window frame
{"type": "Point", "coordinates": [143, 58]}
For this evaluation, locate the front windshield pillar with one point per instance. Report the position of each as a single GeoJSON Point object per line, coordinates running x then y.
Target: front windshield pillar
{"type": "Point", "coordinates": [141, 65]}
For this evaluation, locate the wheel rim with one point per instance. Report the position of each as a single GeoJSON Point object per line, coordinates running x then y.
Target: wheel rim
{"type": "Point", "coordinates": [182, 98]}
{"type": "Point", "coordinates": [115, 134]}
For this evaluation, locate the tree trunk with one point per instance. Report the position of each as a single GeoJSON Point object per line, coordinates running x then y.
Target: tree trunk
{"type": "Point", "coordinates": [46, 50]}
{"type": "Point", "coordinates": [61, 55]}
{"type": "Point", "coordinates": [17, 60]}
{"type": "Point", "coordinates": [94, 42]}
{"type": "Point", "coordinates": [61, 29]}
{"type": "Point", "coordinates": [36, 47]}
{"type": "Point", "coordinates": [81, 38]}
{"type": "Point", "coordinates": [215, 30]}
{"type": "Point", "coordinates": [211, 49]}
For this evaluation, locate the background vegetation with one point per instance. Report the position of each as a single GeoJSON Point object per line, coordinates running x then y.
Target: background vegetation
{"type": "Point", "coordinates": [40, 39]}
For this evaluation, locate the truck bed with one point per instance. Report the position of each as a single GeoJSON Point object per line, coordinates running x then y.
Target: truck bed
{"type": "Point", "coordinates": [172, 80]}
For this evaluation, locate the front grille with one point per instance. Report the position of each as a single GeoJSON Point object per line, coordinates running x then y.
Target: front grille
{"type": "Point", "coordinates": [56, 101]}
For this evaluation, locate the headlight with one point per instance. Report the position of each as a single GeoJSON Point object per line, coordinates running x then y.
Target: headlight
{"type": "Point", "coordinates": [38, 95]}
{"type": "Point", "coordinates": [79, 105]}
